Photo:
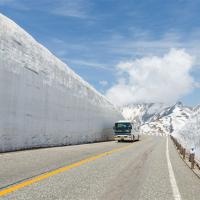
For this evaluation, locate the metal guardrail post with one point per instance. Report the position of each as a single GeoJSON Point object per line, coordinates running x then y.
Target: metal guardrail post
{"type": "Point", "coordinates": [179, 147]}
{"type": "Point", "coordinates": [195, 164]}
{"type": "Point", "coordinates": [192, 160]}
{"type": "Point", "coordinates": [184, 150]}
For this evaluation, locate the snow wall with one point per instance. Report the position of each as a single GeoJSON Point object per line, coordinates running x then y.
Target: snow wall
{"type": "Point", "coordinates": [42, 101]}
{"type": "Point", "coordinates": [189, 135]}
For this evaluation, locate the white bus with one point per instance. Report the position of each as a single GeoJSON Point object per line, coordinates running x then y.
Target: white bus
{"type": "Point", "coordinates": [125, 131]}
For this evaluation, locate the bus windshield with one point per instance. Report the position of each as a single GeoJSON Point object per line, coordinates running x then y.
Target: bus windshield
{"type": "Point", "coordinates": [122, 126]}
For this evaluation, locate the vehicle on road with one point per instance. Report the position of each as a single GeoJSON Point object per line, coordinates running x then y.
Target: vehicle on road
{"type": "Point", "coordinates": [125, 131]}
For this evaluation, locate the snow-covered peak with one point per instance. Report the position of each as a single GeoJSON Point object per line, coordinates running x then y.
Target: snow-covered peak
{"type": "Point", "coordinates": [143, 112]}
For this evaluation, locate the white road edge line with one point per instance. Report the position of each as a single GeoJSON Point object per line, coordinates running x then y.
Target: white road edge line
{"type": "Point", "coordinates": [176, 193]}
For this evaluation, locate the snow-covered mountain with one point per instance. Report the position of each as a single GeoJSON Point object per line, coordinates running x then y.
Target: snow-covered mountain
{"type": "Point", "coordinates": [179, 120]}
{"type": "Point", "coordinates": [157, 117]}
{"type": "Point", "coordinates": [142, 113]}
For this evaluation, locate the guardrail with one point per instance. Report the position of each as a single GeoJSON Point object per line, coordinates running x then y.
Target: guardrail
{"type": "Point", "coordinates": [188, 157]}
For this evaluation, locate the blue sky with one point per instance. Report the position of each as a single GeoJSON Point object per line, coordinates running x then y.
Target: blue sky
{"type": "Point", "coordinates": [94, 36]}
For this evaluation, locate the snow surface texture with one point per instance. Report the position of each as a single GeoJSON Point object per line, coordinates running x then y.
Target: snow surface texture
{"type": "Point", "coordinates": [189, 135]}
{"type": "Point", "coordinates": [42, 101]}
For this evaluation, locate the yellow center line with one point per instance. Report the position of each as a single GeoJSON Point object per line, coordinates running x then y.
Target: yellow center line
{"type": "Point", "coordinates": [57, 171]}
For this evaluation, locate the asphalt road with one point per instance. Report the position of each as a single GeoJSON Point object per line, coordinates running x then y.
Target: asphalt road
{"type": "Point", "coordinates": [138, 170]}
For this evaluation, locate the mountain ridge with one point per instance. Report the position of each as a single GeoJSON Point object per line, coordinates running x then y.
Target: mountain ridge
{"type": "Point", "coordinates": [157, 117]}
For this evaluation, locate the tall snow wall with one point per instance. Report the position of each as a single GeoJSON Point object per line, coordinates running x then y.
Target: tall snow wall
{"type": "Point", "coordinates": [189, 135]}
{"type": "Point", "coordinates": [42, 101]}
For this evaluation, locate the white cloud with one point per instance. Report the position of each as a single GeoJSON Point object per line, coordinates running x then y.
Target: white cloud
{"type": "Point", "coordinates": [153, 79]}
{"type": "Point", "coordinates": [103, 83]}
{"type": "Point", "coordinates": [197, 84]}
{"type": "Point", "coordinates": [70, 8]}
{"type": "Point", "coordinates": [89, 64]}
{"type": "Point", "coordinates": [16, 4]}
{"type": "Point", "coordinates": [142, 43]}
{"type": "Point", "coordinates": [66, 8]}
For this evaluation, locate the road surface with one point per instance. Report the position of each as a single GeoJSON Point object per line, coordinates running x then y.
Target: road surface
{"type": "Point", "coordinates": [139, 170]}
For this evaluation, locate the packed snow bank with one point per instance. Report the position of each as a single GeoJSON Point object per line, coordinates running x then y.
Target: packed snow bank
{"type": "Point", "coordinates": [189, 135]}
{"type": "Point", "coordinates": [42, 101]}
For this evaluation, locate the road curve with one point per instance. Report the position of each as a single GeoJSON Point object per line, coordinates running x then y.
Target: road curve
{"type": "Point", "coordinates": [136, 170]}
